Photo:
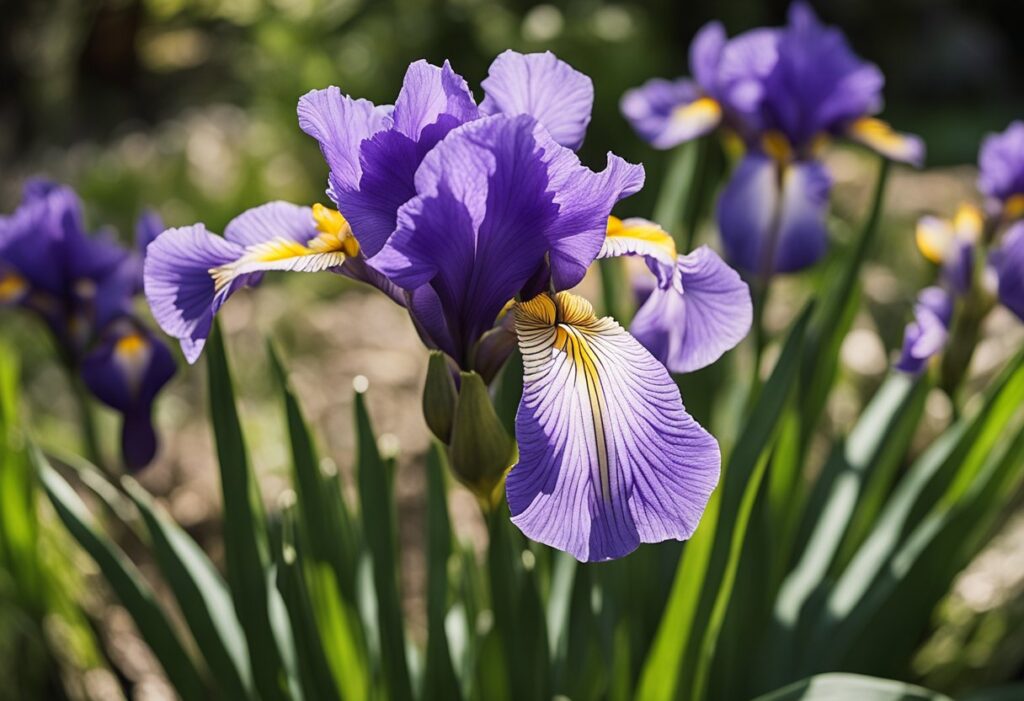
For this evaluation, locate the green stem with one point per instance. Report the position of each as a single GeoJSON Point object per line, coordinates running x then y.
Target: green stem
{"type": "Point", "coordinates": [615, 291]}
{"type": "Point", "coordinates": [87, 422]}
{"type": "Point", "coordinates": [678, 206]}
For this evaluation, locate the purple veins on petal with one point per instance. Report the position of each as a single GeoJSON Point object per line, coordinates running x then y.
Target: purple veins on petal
{"type": "Point", "coordinates": [493, 199]}
{"type": "Point", "coordinates": [692, 329]}
{"type": "Point", "coordinates": [189, 272]}
{"type": "Point", "coordinates": [550, 90]}
{"type": "Point", "coordinates": [609, 458]}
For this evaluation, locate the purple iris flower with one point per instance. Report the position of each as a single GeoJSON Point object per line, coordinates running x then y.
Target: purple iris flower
{"type": "Point", "coordinates": [479, 219]}
{"type": "Point", "coordinates": [926, 336]}
{"type": "Point", "coordinates": [1008, 263]}
{"type": "Point", "coordinates": [784, 92]}
{"type": "Point", "coordinates": [951, 244]}
{"type": "Point", "coordinates": [1001, 171]}
{"type": "Point", "coordinates": [83, 287]}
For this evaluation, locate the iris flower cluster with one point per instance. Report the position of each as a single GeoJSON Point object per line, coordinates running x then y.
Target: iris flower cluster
{"type": "Point", "coordinates": [83, 288]}
{"type": "Point", "coordinates": [480, 219]}
{"type": "Point", "coordinates": [979, 253]}
{"type": "Point", "coordinates": [783, 93]}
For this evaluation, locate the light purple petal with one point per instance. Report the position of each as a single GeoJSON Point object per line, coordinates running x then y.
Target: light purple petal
{"type": "Point", "coordinates": [757, 219]}
{"type": "Point", "coordinates": [705, 54]}
{"type": "Point", "coordinates": [693, 329]}
{"type": "Point", "coordinates": [179, 286]}
{"type": "Point", "coordinates": [428, 92]}
{"type": "Point", "coordinates": [553, 92]}
{"type": "Point", "coordinates": [270, 222]}
{"type": "Point", "coordinates": [666, 114]}
{"type": "Point", "coordinates": [608, 457]}
{"type": "Point", "coordinates": [1001, 163]}
{"type": "Point", "coordinates": [340, 124]}
{"type": "Point", "coordinates": [746, 62]}
{"type": "Point", "coordinates": [642, 237]}
{"type": "Point", "coordinates": [926, 336]}
{"type": "Point", "coordinates": [881, 138]}
{"type": "Point", "coordinates": [585, 200]}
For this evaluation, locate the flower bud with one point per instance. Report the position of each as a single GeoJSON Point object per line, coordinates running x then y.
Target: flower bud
{"type": "Point", "coordinates": [481, 450]}
{"type": "Point", "coordinates": [439, 396]}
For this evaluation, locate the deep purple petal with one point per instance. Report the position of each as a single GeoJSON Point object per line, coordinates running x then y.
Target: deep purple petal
{"type": "Point", "coordinates": [476, 230]}
{"type": "Point", "coordinates": [608, 457]}
{"type": "Point", "coordinates": [553, 92]}
{"type": "Point", "coordinates": [179, 286]}
{"type": "Point", "coordinates": [340, 124]}
{"type": "Point", "coordinates": [1008, 263]}
{"type": "Point", "coordinates": [691, 330]}
{"type": "Point", "coordinates": [756, 216]}
{"type": "Point", "coordinates": [743, 70]}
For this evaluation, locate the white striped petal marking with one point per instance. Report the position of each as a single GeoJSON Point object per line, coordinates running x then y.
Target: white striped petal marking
{"type": "Point", "coordinates": [609, 458]}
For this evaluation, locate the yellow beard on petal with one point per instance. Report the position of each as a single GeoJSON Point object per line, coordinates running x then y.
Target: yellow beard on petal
{"type": "Point", "coordinates": [643, 231]}
{"type": "Point", "coordinates": [12, 287]}
{"type": "Point", "coordinates": [132, 352]}
{"type": "Point", "coordinates": [1014, 207]}
{"type": "Point", "coordinates": [332, 245]}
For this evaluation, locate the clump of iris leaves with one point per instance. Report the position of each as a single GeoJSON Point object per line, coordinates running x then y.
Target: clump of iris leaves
{"type": "Point", "coordinates": [789, 589]}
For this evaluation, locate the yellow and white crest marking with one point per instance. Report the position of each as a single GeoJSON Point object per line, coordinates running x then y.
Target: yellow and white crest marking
{"type": "Point", "coordinates": [330, 247]}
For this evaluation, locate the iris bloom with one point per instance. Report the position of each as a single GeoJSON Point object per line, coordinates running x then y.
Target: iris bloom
{"type": "Point", "coordinates": [83, 287]}
{"type": "Point", "coordinates": [1001, 172]}
{"type": "Point", "coordinates": [480, 219]}
{"type": "Point", "coordinates": [784, 92]}
{"type": "Point", "coordinates": [1008, 263]}
{"type": "Point", "coordinates": [926, 336]}
{"type": "Point", "coordinates": [951, 245]}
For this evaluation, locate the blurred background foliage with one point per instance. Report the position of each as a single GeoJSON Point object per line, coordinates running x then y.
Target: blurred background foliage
{"type": "Point", "coordinates": [188, 106]}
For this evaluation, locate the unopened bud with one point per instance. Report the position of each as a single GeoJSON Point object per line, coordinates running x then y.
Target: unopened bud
{"type": "Point", "coordinates": [481, 449]}
{"type": "Point", "coordinates": [439, 396]}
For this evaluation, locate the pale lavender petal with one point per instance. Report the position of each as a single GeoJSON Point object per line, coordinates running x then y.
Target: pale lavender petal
{"type": "Point", "coordinates": [608, 456]}
{"type": "Point", "coordinates": [270, 222]}
{"type": "Point", "coordinates": [926, 336]}
{"type": "Point", "coordinates": [340, 124]}
{"type": "Point", "coordinates": [757, 219]}
{"type": "Point", "coordinates": [666, 114]}
{"type": "Point", "coordinates": [553, 92]}
{"type": "Point", "coordinates": [179, 286]}
{"type": "Point", "coordinates": [883, 139]}
{"type": "Point", "coordinates": [705, 55]}
{"type": "Point", "coordinates": [690, 330]}
{"type": "Point", "coordinates": [642, 237]}
{"type": "Point", "coordinates": [428, 92]}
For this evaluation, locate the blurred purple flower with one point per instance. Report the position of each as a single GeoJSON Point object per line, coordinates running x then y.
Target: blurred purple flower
{"type": "Point", "coordinates": [1001, 171]}
{"type": "Point", "coordinates": [83, 288]}
{"type": "Point", "coordinates": [784, 92]}
{"type": "Point", "coordinates": [1008, 263]}
{"type": "Point", "coordinates": [926, 336]}
{"type": "Point", "coordinates": [951, 244]}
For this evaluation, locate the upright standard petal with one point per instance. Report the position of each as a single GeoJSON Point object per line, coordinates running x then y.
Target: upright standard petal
{"type": "Point", "coordinates": [340, 124]}
{"type": "Point", "coordinates": [550, 90]}
{"type": "Point", "coordinates": [772, 216]}
{"type": "Point", "coordinates": [493, 200]}
{"type": "Point", "coordinates": [432, 102]}
{"type": "Point", "coordinates": [1008, 262]}
{"type": "Point", "coordinates": [609, 458]}
{"type": "Point", "coordinates": [668, 113]}
{"type": "Point", "coordinates": [693, 328]}
{"type": "Point", "coordinates": [126, 371]}
{"type": "Point", "coordinates": [705, 55]}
